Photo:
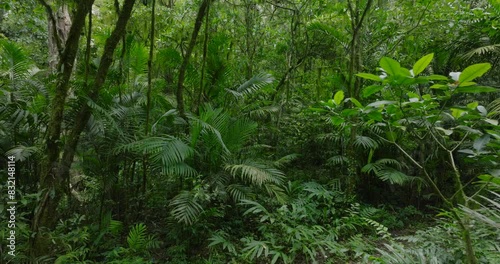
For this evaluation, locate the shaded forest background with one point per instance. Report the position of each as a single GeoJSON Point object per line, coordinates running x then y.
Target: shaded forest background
{"type": "Point", "coordinates": [251, 131]}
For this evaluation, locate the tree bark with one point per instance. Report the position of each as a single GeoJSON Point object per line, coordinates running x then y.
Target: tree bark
{"type": "Point", "coordinates": [59, 25]}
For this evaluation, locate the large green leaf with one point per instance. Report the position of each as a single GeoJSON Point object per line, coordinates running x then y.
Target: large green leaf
{"type": "Point", "coordinates": [390, 66]}
{"type": "Point", "coordinates": [369, 90]}
{"type": "Point", "coordinates": [339, 96]}
{"type": "Point", "coordinates": [422, 63]}
{"type": "Point", "coordinates": [435, 77]}
{"type": "Point", "coordinates": [477, 89]}
{"type": "Point", "coordinates": [472, 72]}
{"type": "Point", "coordinates": [369, 76]}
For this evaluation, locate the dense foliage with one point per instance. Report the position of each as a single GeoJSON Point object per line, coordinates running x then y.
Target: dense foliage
{"type": "Point", "coordinates": [248, 131]}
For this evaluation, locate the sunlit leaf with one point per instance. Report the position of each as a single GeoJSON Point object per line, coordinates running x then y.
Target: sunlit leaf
{"type": "Point", "coordinates": [391, 66]}
{"type": "Point", "coordinates": [472, 72]}
{"type": "Point", "coordinates": [422, 63]}
{"type": "Point", "coordinates": [369, 76]}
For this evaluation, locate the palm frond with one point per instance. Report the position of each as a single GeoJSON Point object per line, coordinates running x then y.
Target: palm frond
{"type": "Point", "coordinates": [488, 212]}
{"type": "Point", "coordinates": [238, 192]}
{"type": "Point", "coordinates": [137, 237]}
{"type": "Point", "coordinates": [483, 50]}
{"type": "Point", "coordinates": [393, 176]}
{"type": "Point", "coordinates": [254, 84]}
{"type": "Point", "coordinates": [262, 111]}
{"type": "Point", "coordinates": [211, 122]}
{"type": "Point", "coordinates": [494, 108]}
{"type": "Point", "coordinates": [22, 152]}
{"type": "Point", "coordinates": [166, 150]}
{"type": "Point", "coordinates": [365, 142]}
{"type": "Point", "coordinates": [185, 208]}
{"type": "Point", "coordinates": [255, 172]}
{"type": "Point", "coordinates": [337, 160]}
{"type": "Point", "coordinates": [285, 160]}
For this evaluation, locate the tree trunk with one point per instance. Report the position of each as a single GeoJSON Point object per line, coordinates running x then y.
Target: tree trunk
{"type": "Point", "coordinates": [59, 25]}
{"type": "Point", "coordinates": [51, 183]}
{"type": "Point", "coordinates": [55, 176]}
{"type": "Point", "coordinates": [182, 71]}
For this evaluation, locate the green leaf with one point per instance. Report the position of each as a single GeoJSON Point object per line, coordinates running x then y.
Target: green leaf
{"type": "Point", "coordinates": [339, 96]}
{"type": "Point", "coordinates": [457, 113]}
{"type": "Point", "coordinates": [391, 136]}
{"type": "Point", "coordinates": [349, 112]}
{"type": "Point", "coordinates": [377, 116]}
{"type": "Point", "coordinates": [439, 86]}
{"type": "Point", "coordinates": [491, 121]}
{"type": "Point", "coordinates": [477, 89]}
{"type": "Point", "coordinates": [472, 105]}
{"type": "Point", "coordinates": [369, 90]}
{"type": "Point", "coordinates": [369, 76]}
{"type": "Point", "coordinates": [422, 63]}
{"type": "Point", "coordinates": [337, 120]}
{"type": "Point", "coordinates": [467, 84]}
{"type": "Point", "coordinates": [445, 131]}
{"type": "Point", "coordinates": [383, 102]}
{"type": "Point", "coordinates": [472, 72]}
{"type": "Point", "coordinates": [390, 66]}
{"type": "Point", "coordinates": [435, 77]}
{"type": "Point", "coordinates": [355, 102]}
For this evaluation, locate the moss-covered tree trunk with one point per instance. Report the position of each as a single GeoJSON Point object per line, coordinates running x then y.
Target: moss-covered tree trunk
{"type": "Point", "coordinates": [54, 181]}
{"type": "Point", "coordinates": [52, 185]}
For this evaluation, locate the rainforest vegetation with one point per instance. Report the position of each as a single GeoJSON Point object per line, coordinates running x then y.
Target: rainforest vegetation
{"type": "Point", "coordinates": [250, 131]}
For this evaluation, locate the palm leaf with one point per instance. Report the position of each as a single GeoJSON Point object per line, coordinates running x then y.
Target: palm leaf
{"type": "Point", "coordinates": [254, 84]}
{"type": "Point", "coordinates": [483, 50]}
{"type": "Point", "coordinates": [255, 172]}
{"type": "Point", "coordinates": [365, 142]}
{"type": "Point", "coordinates": [185, 208]}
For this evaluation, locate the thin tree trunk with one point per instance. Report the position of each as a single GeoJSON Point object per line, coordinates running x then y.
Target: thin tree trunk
{"type": "Point", "coordinates": [357, 18]}
{"type": "Point", "coordinates": [148, 99]}
{"type": "Point", "coordinates": [182, 71]}
{"type": "Point", "coordinates": [204, 62]}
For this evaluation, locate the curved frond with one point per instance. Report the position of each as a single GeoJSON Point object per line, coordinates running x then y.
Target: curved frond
{"type": "Point", "coordinates": [337, 160]}
{"type": "Point", "coordinates": [494, 108]}
{"type": "Point", "coordinates": [285, 160]}
{"type": "Point", "coordinates": [254, 84]}
{"type": "Point", "coordinates": [22, 152]}
{"type": "Point", "coordinates": [238, 192]}
{"type": "Point", "coordinates": [365, 142]}
{"type": "Point", "coordinates": [256, 173]}
{"type": "Point", "coordinates": [185, 208]}
{"type": "Point", "coordinates": [483, 50]}
{"type": "Point", "coordinates": [166, 150]}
